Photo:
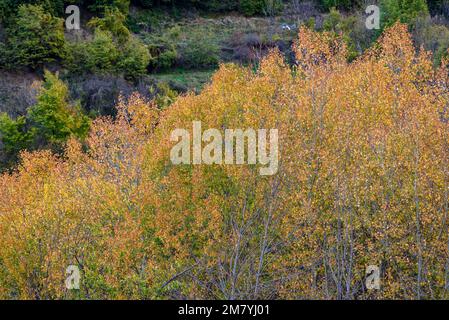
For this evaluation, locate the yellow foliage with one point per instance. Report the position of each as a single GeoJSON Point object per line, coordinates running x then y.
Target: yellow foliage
{"type": "Point", "coordinates": [362, 180]}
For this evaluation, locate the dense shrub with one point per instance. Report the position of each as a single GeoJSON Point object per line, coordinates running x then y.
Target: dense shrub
{"type": "Point", "coordinates": [340, 4]}
{"type": "Point", "coordinates": [34, 39]}
{"type": "Point", "coordinates": [77, 56]}
{"type": "Point", "coordinates": [113, 21]}
{"type": "Point", "coordinates": [207, 5]}
{"type": "Point", "coordinates": [14, 137]}
{"type": "Point", "coordinates": [133, 59]}
{"type": "Point", "coordinates": [163, 48]}
{"type": "Point", "coordinates": [164, 95]}
{"type": "Point", "coordinates": [432, 36]}
{"type": "Point", "coordinates": [343, 26]}
{"type": "Point", "coordinates": [193, 48]}
{"type": "Point", "coordinates": [102, 53]}
{"type": "Point", "coordinates": [402, 10]}
{"type": "Point", "coordinates": [199, 50]}
{"type": "Point", "coordinates": [251, 7]}
{"type": "Point", "coordinates": [49, 123]}
{"type": "Point", "coordinates": [247, 7]}
{"type": "Point", "coordinates": [111, 50]}
{"type": "Point", "coordinates": [220, 5]}
{"type": "Point", "coordinates": [9, 8]}
{"type": "Point", "coordinates": [257, 7]}
{"type": "Point", "coordinates": [53, 118]}
{"type": "Point", "coordinates": [148, 20]}
{"type": "Point", "coordinates": [100, 6]}
{"type": "Point", "coordinates": [165, 59]}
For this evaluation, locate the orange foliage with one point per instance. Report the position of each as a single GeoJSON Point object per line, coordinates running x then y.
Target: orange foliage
{"type": "Point", "coordinates": [363, 180]}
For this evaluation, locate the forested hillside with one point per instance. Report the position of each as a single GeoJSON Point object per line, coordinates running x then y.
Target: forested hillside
{"type": "Point", "coordinates": [86, 134]}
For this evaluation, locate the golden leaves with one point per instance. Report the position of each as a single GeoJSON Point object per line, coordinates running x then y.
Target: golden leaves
{"type": "Point", "coordinates": [363, 179]}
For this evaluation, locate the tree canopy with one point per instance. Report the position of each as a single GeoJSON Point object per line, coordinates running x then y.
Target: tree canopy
{"type": "Point", "coordinates": [363, 179]}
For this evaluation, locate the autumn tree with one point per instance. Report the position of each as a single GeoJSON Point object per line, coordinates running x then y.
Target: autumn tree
{"type": "Point", "coordinates": [362, 180]}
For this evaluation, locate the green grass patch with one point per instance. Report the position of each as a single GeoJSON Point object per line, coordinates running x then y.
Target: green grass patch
{"type": "Point", "coordinates": [186, 79]}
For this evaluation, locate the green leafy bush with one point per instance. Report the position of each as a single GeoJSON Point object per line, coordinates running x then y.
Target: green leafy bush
{"type": "Point", "coordinates": [257, 7]}
{"type": "Point", "coordinates": [134, 59]}
{"type": "Point", "coordinates": [163, 48]}
{"type": "Point", "coordinates": [220, 5]}
{"type": "Point", "coordinates": [102, 53]}
{"type": "Point", "coordinates": [14, 137]}
{"type": "Point", "coordinates": [163, 94]}
{"type": "Point", "coordinates": [165, 59]}
{"type": "Point", "coordinates": [9, 8]}
{"type": "Point", "coordinates": [199, 51]}
{"type": "Point", "coordinates": [341, 4]}
{"type": "Point", "coordinates": [251, 7]}
{"type": "Point", "coordinates": [402, 10]}
{"type": "Point", "coordinates": [113, 21]}
{"type": "Point", "coordinates": [34, 39]}
{"type": "Point", "coordinates": [112, 50]}
{"type": "Point", "coordinates": [77, 56]}
{"type": "Point", "coordinates": [432, 36]}
{"type": "Point", "coordinates": [344, 26]}
{"type": "Point", "coordinates": [49, 123]}
{"type": "Point", "coordinates": [53, 118]}
{"type": "Point", "coordinates": [102, 5]}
